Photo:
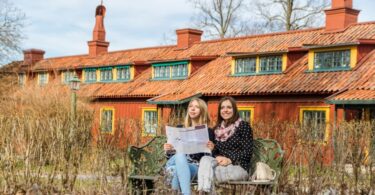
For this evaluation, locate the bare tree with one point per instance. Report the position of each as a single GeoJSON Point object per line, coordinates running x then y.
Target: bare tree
{"type": "Point", "coordinates": [11, 25]}
{"type": "Point", "coordinates": [222, 18]}
{"type": "Point", "coordinates": [288, 15]}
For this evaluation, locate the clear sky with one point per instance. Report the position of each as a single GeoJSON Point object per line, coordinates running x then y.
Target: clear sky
{"type": "Point", "coordinates": [63, 27]}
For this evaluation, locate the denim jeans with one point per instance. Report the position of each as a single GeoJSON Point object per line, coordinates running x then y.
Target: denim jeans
{"type": "Point", "coordinates": [182, 172]}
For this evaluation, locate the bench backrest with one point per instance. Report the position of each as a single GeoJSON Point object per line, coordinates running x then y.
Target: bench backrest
{"type": "Point", "coordinates": [149, 158]}
{"type": "Point", "coordinates": [269, 152]}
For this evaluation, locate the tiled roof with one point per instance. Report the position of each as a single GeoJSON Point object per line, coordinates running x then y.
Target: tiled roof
{"type": "Point", "coordinates": [355, 95]}
{"type": "Point", "coordinates": [214, 78]}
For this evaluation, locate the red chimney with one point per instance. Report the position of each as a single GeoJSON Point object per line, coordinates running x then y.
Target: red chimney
{"type": "Point", "coordinates": [187, 37]}
{"type": "Point", "coordinates": [341, 15]}
{"type": "Point", "coordinates": [98, 45]}
{"type": "Point", "coordinates": [32, 56]}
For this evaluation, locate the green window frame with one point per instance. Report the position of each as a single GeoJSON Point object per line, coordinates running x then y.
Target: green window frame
{"type": "Point", "coordinates": [123, 73]}
{"type": "Point", "coordinates": [270, 64]}
{"type": "Point", "coordinates": [106, 74]}
{"type": "Point", "coordinates": [90, 75]}
{"type": "Point", "coordinates": [43, 78]}
{"type": "Point", "coordinates": [245, 65]}
{"type": "Point", "coordinates": [107, 120]}
{"type": "Point", "coordinates": [161, 72]}
{"type": "Point", "coordinates": [68, 75]}
{"type": "Point", "coordinates": [332, 60]}
{"type": "Point", "coordinates": [315, 122]}
{"type": "Point", "coordinates": [179, 71]}
{"type": "Point", "coordinates": [171, 70]}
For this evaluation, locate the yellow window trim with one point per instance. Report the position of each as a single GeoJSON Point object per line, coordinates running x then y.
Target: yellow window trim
{"type": "Point", "coordinates": [248, 108]}
{"type": "Point", "coordinates": [83, 76]}
{"type": "Point", "coordinates": [114, 74]}
{"type": "Point", "coordinates": [113, 119]}
{"type": "Point", "coordinates": [150, 109]}
{"type": "Point", "coordinates": [353, 55]}
{"type": "Point", "coordinates": [46, 78]}
{"type": "Point", "coordinates": [132, 72]}
{"type": "Point", "coordinates": [97, 75]}
{"type": "Point", "coordinates": [284, 59]}
{"type": "Point", "coordinates": [326, 109]}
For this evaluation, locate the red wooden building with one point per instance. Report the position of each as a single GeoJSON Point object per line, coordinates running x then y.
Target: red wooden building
{"type": "Point", "coordinates": [315, 76]}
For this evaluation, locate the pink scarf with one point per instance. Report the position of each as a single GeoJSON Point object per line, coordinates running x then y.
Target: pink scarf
{"type": "Point", "coordinates": [222, 133]}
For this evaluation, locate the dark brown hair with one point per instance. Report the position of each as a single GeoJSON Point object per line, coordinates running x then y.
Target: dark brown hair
{"type": "Point", "coordinates": [235, 116]}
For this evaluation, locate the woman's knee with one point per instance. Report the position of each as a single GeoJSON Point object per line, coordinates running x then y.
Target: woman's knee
{"type": "Point", "coordinates": [206, 159]}
{"type": "Point", "coordinates": [180, 158]}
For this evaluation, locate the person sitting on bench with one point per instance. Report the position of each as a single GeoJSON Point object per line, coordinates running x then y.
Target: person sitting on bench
{"type": "Point", "coordinates": [183, 168]}
{"type": "Point", "coordinates": [233, 148]}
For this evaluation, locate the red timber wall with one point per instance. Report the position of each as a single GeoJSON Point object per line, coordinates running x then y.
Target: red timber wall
{"type": "Point", "coordinates": [127, 121]}
{"type": "Point", "coordinates": [269, 111]}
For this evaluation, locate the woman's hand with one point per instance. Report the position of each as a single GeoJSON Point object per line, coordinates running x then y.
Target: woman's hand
{"type": "Point", "coordinates": [210, 145]}
{"type": "Point", "coordinates": [223, 161]}
{"type": "Point", "coordinates": [168, 147]}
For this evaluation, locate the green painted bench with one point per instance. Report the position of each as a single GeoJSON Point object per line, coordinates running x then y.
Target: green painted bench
{"type": "Point", "coordinates": [147, 163]}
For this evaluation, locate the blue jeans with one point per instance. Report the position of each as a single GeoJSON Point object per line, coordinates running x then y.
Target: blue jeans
{"type": "Point", "coordinates": [182, 172]}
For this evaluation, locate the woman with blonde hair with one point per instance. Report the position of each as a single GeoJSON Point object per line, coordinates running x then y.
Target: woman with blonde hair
{"type": "Point", "coordinates": [182, 167]}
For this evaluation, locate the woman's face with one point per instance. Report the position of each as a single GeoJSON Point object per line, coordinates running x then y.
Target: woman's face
{"type": "Point", "coordinates": [226, 110]}
{"type": "Point", "coordinates": [194, 110]}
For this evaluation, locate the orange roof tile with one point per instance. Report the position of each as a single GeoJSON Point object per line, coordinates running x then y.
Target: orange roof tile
{"type": "Point", "coordinates": [214, 78]}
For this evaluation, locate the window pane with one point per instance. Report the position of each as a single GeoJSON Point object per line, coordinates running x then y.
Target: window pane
{"type": "Point", "coordinates": [332, 59]}
{"type": "Point", "coordinates": [106, 123]}
{"type": "Point", "coordinates": [150, 122]}
{"type": "Point", "coordinates": [245, 115]}
{"type": "Point", "coordinates": [315, 123]}
{"type": "Point", "coordinates": [245, 65]}
{"type": "Point", "coordinates": [271, 64]}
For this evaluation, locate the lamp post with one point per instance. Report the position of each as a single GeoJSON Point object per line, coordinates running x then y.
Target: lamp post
{"type": "Point", "coordinates": [74, 86]}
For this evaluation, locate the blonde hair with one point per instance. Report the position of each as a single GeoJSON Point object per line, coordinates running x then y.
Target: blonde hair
{"type": "Point", "coordinates": [204, 118]}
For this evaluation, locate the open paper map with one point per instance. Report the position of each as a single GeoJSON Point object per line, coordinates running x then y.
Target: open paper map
{"type": "Point", "coordinates": [188, 140]}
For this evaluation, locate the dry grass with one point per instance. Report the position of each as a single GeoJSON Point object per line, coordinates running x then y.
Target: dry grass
{"type": "Point", "coordinates": [41, 144]}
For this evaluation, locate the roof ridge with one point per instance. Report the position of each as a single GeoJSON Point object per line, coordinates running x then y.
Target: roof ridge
{"type": "Point", "coordinates": [68, 56]}
{"type": "Point", "coordinates": [263, 35]}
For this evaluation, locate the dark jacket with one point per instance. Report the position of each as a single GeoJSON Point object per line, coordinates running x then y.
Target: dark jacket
{"type": "Point", "coordinates": [238, 148]}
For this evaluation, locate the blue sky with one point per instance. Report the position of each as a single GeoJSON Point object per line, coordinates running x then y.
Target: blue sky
{"type": "Point", "coordinates": [63, 27]}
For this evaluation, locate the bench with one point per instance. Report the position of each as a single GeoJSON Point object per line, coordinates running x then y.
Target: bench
{"type": "Point", "coordinates": [147, 163]}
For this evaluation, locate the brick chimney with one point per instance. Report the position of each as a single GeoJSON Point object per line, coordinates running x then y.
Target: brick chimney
{"type": "Point", "coordinates": [32, 56]}
{"type": "Point", "coordinates": [187, 37]}
{"type": "Point", "coordinates": [98, 45]}
{"type": "Point", "coordinates": [341, 15]}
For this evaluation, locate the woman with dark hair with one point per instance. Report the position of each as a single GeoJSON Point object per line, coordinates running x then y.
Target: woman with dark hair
{"type": "Point", "coordinates": [233, 148]}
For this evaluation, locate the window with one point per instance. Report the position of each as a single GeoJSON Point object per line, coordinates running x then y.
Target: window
{"type": "Point", "coordinates": [68, 75]}
{"type": "Point", "coordinates": [332, 60]}
{"type": "Point", "coordinates": [174, 70]}
{"type": "Point", "coordinates": [315, 123]}
{"type": "Point", "coordinates": [107, 120]}
{"type": "Point", "coordinates": [106, 74]}
{"type": "Point", "coordinates": [161, 72]}
{"type": "Point", "coordinates": [246, 113]}
{"type": "Point", "coordinates": [245, 65]}
{"type": "Point", "coordinates": [90, 75]}
{"type": "Point", "coordinates": [150, 121]}
{"type": "Point", "coordinates": [179, 70]}
{"type": "Point", "coordinates": [42, 78]}
{"type": "Point", "coordinates": [271, 64]}
{"type": "Point", "coordinates": [22, 79]}
{"type": "Point", "coordinates": [123, 73]}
